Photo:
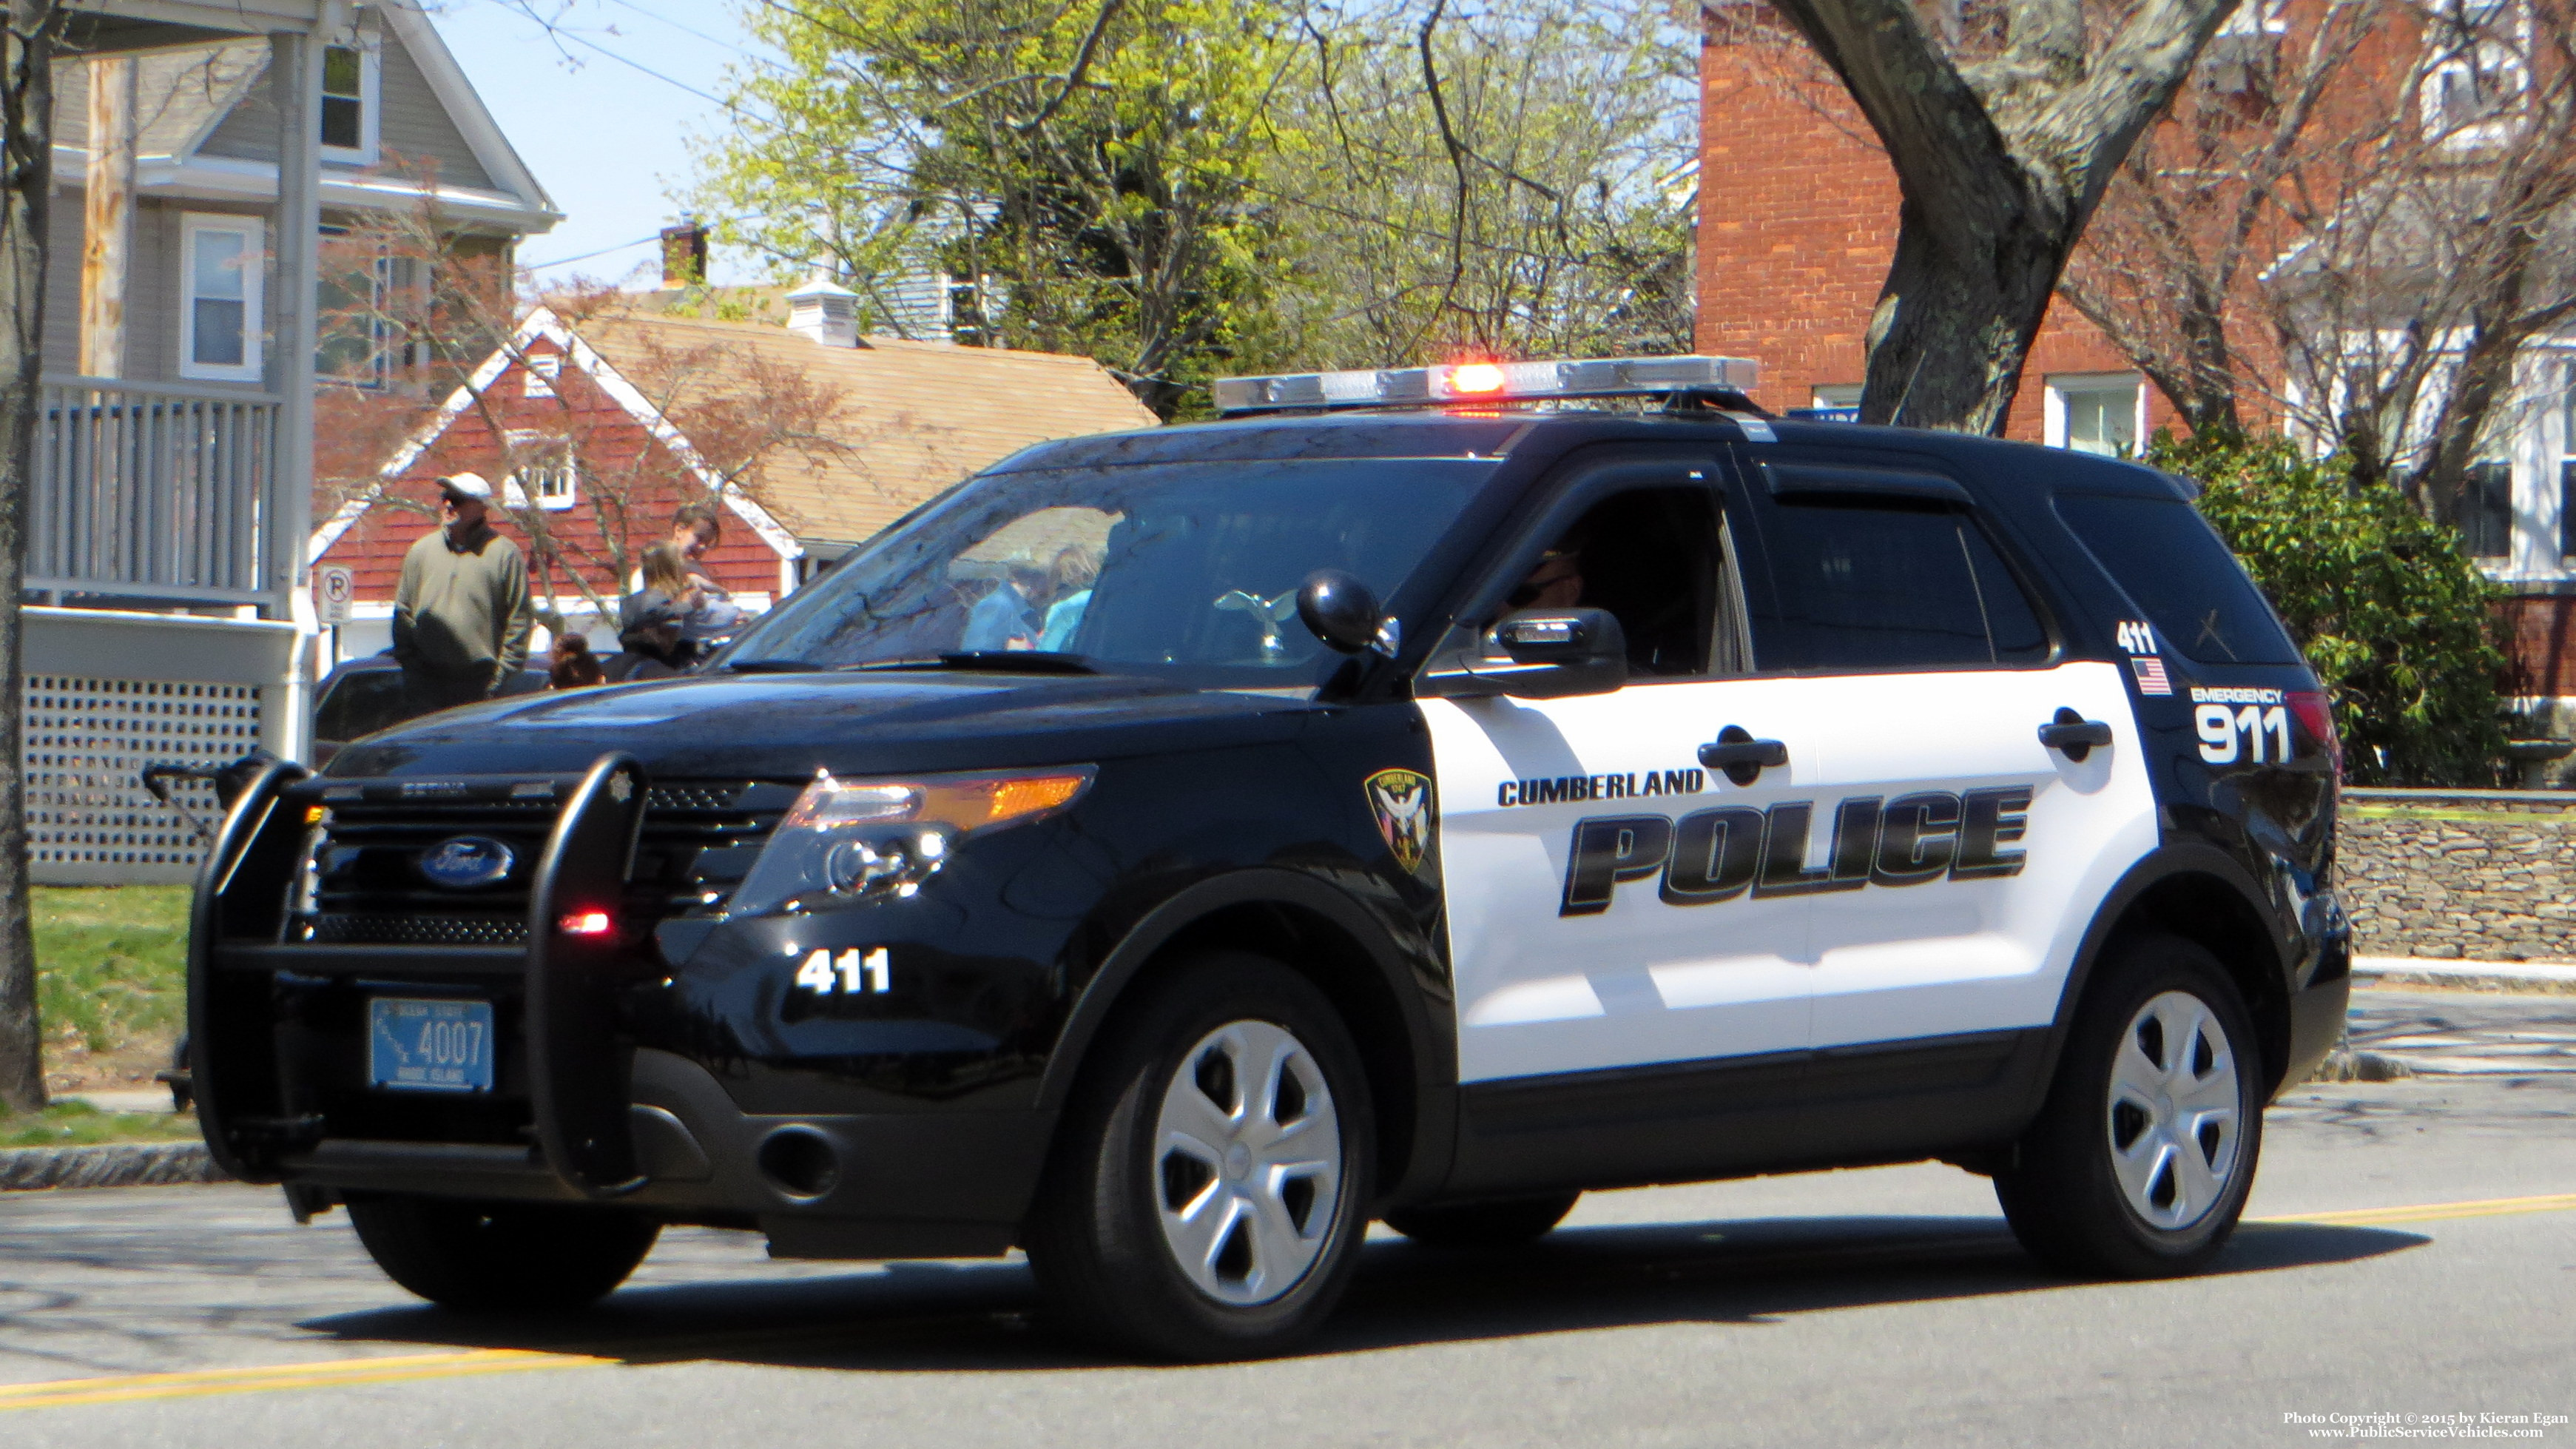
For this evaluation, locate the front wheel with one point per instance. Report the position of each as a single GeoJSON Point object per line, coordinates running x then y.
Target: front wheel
{"type": "Point", "coordinates": [1209, 1190]}
{"type": "Point", "coordinates": [2140, 1163]}
{"type": "Point", "coordinates": [501, 1257]}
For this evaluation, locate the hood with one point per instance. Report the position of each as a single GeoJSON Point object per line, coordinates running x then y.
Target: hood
{"type": "Point", "coordinates": [787, 726]}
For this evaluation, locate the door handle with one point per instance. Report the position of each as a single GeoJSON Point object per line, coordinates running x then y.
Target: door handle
{"type": "Point", "coordinates": [1741, 757]}
{"type": "Point", "coordinates": [2074, 736]}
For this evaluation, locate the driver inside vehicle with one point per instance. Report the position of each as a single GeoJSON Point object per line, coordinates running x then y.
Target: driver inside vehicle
{"type": "Point", "coordinates": [1645, 556]}
{"type": "Point", "coordinates": [1557, 581]}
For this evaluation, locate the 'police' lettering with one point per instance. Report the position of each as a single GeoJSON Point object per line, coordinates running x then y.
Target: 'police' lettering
{"type": "Point", "coordinates": [1989, 818]}
{"type": "Point", "coordinates": [1917, 837]}
{"type": "Point", "coordinates": [1611, 849]}
{"type": "Point", "coordinates": [1717, 855]}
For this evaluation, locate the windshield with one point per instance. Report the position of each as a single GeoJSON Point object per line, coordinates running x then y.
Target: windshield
{"type": "Point", "coordinates": [1188, 569]}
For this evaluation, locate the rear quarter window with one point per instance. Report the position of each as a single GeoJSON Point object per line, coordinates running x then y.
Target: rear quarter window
{"type": "Point", "coordinates": [2174, 567]}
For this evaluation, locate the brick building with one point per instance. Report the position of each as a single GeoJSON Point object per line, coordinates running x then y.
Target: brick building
{"type": "Point", "coordinates": [1798, 224]}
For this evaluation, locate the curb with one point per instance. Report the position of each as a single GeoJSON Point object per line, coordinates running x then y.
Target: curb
{"type": "Point", "coordinates": [114, 1164]}
{"type": "Point", "coordinates": [2559, 971]}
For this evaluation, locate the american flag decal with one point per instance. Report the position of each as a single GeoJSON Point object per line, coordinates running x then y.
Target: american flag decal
{"type": "Point", "coordinates": [2151, 675]}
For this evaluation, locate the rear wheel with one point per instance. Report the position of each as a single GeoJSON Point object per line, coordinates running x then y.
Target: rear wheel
{"type": "Point", "coordinates": [2140, 1163]}
{"type": "Point", "coordinates": [1208, 1190]}
{"type": "Point", "coordinates": [1484, 1224]}
{"type": "Point", "coordinates": [501, 1257]}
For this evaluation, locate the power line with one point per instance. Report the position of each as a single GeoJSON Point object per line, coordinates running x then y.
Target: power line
{"type": "Point", "coordinates": [686, 30]}
{"type": "Point", "coordinates": [586, 256]}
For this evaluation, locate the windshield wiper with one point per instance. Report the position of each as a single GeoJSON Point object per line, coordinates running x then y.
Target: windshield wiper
{"type": "Point", "coordinates": [997, 661]}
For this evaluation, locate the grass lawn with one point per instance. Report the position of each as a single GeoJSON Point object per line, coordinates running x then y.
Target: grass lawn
{"type": "Point", "coordinates": [111, 981]}
{"type": "Point", "coordinates": [77, 1124]}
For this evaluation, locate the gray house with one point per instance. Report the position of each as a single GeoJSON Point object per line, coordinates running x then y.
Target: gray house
{"type": "Point", "coordinates": [203, 151]}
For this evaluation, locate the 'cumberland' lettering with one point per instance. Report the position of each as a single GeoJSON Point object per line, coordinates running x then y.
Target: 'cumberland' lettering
{"type": "Point", "coordinates": [1581, 789]}
{"type": "Point", "coordinates": [1709, 856]}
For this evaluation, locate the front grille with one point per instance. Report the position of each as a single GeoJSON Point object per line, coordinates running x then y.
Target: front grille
{"type": "Point", "coordinates": [353, 930]}
{"type": "Point", "coordinates": [368, 887]}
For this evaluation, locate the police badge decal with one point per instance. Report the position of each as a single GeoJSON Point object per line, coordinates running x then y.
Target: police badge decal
{"type": "Point", "coordinates": [1400, 802]}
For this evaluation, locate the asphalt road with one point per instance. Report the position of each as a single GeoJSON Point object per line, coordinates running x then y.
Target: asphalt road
{"type": "Point", "coordinates": [2418, 1257]}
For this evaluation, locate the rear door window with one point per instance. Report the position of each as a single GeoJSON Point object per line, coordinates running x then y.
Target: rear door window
{"type": "Point", "coordinates": [1881, 580]}
{"type": "Point", "coordinates": [2173, 566]}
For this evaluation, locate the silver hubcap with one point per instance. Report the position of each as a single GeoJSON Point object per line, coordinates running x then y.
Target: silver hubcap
{"type": "Point", "coordinates": [1247, 1162]}
{"type": "Point", "coordinates": [2174, 1111]}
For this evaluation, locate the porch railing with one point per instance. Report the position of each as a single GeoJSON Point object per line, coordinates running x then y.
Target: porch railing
{"type": "Point", "coordinates": [152, 491]}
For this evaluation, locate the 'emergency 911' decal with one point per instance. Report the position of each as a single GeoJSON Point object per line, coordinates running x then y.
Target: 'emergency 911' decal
{"type": "Point", "coordinates": [2245, 724]}
{"type": "Point", "coordinates": [1717, 855]}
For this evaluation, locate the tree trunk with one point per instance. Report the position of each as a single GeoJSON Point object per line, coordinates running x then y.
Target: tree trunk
{"type": "Point", "coordinates": [1947, 340]}
{"type": "Point", "coordinates": [2001, 162]}
{"type": "Point", "coordinates": [27, 107]}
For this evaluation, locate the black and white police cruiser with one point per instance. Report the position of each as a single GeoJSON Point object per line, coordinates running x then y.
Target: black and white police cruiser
{"type": "Point", "coordinates": [1422, 795]}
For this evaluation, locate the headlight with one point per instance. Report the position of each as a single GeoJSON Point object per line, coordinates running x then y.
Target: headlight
{"type": "Point", "coordinates": [845, 842]}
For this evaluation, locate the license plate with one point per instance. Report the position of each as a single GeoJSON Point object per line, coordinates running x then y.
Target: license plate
{"type": "Point", "coordinates": [429, 1046]}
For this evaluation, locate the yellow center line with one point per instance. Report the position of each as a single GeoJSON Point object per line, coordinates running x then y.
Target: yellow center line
{"type": "Point", "coordinates": [2433, 1212]}
{"type": "Point", "coordinates": [399, 1368]}
{"type": "Point", "coordinates": [120, 1388]}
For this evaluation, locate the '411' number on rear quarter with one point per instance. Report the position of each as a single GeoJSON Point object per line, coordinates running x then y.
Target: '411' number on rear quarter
{"type": "Point", "coordinates": [853, 971]}
{"type": "Point", "coordinates": [2227, 735]}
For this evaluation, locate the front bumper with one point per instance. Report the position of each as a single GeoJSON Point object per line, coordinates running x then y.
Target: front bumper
{"type": "Point", "coordinates": [580, 1111]}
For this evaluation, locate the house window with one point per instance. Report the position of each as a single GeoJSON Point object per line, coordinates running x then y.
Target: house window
{"type": "Point", "coordinates": [366, 304]}
{"type": "Point", "coordinates": [2486, 509]}
{"type": "Point", "coordinates": [2567, 478]}
{"type": "Point", "coordinates": [547, 475]}
{"type": "Point", "coordinates": [2476, 80]}
{"type": "Point", "coordinates": [221, 258]}
{"type": "Point", "coordinates": [352, 76]}
{"type": "Point", "coordinates": [2096, 414]}
{"type": "Point", "coordinates": [539, 378]}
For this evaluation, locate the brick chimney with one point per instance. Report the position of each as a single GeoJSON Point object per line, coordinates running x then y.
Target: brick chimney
{"type": "Point", "coordinates": [684, 254]}
{"type": "Point", "coordinates": [824, 311]}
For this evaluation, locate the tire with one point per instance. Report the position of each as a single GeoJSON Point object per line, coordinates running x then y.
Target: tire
{"type": "Point", "coordinates": [2139, 1164]}
{"type": "Point", "coordinates": [1175, 1219]}
{"type": "Point", "coordinates": [1503, 1224]}
{"type": "Point", "coordinates": [501, 1257]}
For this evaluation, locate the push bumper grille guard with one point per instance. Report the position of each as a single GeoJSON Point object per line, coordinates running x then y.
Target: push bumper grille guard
{"type": "Point", "coordinates": [578, 1070]}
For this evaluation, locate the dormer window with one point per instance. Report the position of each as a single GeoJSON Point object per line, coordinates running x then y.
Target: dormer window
{"type": "Point", "coordinates": [351, 81]}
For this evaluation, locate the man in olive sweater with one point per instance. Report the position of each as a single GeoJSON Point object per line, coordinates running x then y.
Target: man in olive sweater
{"type": "Point", "coordinates": [461, 612]}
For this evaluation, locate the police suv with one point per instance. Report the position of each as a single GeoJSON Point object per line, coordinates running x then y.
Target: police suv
{"type": "Point", "coordinates": [1423, 795]}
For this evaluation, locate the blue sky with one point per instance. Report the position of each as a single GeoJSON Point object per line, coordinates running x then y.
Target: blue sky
{"type": "Point", "coordinates": [599, 109]}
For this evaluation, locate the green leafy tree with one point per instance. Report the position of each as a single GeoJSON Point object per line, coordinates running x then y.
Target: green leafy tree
{"type": "Point", "coordinates": [2393, 616]}
{"type": "Point", "coordinates": [1089, 174]}
{"type": "Point", "coordinates": [1511, 178]}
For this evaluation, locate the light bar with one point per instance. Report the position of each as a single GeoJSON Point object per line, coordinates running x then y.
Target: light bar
{"type": "Point", "coordinates": [1485, 382]}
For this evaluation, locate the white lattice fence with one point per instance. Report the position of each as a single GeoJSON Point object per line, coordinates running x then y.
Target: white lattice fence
{"type": "Point", "coordinates": [108, 693]}
{"type": "Point", "coordinates": [87, 741]}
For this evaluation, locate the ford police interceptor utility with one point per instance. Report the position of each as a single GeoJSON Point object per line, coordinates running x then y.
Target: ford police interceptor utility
{"type": "Point", "coordinates": [1415, 797]}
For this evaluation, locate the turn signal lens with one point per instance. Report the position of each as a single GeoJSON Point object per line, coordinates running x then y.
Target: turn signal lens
{"type": "Point", "coordinates": [852, 841]}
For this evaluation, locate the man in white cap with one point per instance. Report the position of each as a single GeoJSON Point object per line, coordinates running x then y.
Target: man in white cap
{"type": "Point", "coordinates": [461, 612]}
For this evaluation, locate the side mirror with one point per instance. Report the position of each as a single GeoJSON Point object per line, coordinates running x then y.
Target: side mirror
{"type": "Point", "coordinates": [1541, 654]}
{"type": "Point", "coordinates": [1343, 613]}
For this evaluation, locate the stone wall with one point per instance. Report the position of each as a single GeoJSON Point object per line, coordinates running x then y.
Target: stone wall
{"type": "Point", "coordinates": [2479, 875]}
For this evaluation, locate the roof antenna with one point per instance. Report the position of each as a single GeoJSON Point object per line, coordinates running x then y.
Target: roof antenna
{"type": "Point", "coordinates": [1908, 391]}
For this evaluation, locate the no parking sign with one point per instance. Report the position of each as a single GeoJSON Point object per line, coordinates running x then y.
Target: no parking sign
{"type": "Point", "coordinates": [336, 588]}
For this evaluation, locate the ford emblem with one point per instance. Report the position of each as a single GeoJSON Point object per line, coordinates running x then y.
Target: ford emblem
{"type": "Point", "coordinates": [463, 862]}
